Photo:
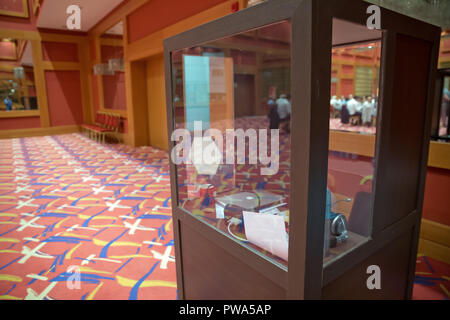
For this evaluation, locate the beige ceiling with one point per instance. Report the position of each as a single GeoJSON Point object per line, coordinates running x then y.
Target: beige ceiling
{"type": "Point", "coordinates": [345, 32]}
{"type": "Point", "coordinates": [116, 30]}
{"type": "Point", "coordinates": [53, 14]}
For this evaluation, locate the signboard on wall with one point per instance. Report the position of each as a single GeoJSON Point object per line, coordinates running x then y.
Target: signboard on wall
{"type": "Point", "coordinates": [208, 90]}
{"type": "Point", "coordinates": [19, 73]}
{"type": "Point", "coordinates": [196, 87]}
{"type": "Point", "coordinates": [14, 8]}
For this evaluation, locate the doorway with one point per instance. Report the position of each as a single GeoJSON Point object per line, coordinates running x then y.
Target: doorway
{"type": "Point", "coordinates": [244, 95]}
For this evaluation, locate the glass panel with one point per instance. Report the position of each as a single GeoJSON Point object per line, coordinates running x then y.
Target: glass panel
{"type": "Point", "coordinates": [354, 85]}
{"type": "Point", "coordinates": [17, 87]}
{"type": "Point", "coordinates": [444, 126]}
{"type": "Point", "coordinates": [233, 172]}
{"type": "Point", "coordinates": [113, 75]}
{"type": "Point", "coordinates": [353, 112]}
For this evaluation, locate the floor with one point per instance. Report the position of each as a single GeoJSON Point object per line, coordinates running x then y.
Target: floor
{"type": "Point", "coordinates": [432, 280]}
{"type": "Point", "coordinates": [336, 124]}
{"type": "Point", "coordinates": [71, 209]}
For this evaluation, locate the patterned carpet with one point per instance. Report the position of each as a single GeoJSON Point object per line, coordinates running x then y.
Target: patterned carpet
{"type": "Point", "coordinates": [432, 280]}
{"type": "Point", "coordinates": [71, 208]}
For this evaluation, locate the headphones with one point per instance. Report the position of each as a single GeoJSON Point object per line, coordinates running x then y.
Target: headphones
{"type": "Point", "coordinates": [338, 230]}
{"type": "Point", "coordinates": [338, 222]}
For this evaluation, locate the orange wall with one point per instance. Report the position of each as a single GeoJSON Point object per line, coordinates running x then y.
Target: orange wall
{"type": "Point", "coordinates": [114, 93]}
{"type": "Point", "coordinates": [111, 52]}
{"type": "Point", "coordinates": [64, 97]}
{"type": "Point", "coordinates": [156, 92]}
{"type": "Point", "coordinates": [19, 123]}
{"type": "Point", "coordinates": [436, 206]}
{"type": "Point", "coordinates": [144, 21]}
{"type": "Point", "coordinates": [63, 88]}
{"type": "Point", "coordinates": [95, 92]}
{"type": "Point", "coordinates": [114, 96]}
{"type": "Point", "coordinates": [28, 24]}
{"type": "Point", "coordinates": [55, 51]}
{"type": "Point", "coordinates": [344, 62]}
{"type": "Point", "coordinates": [7, 50]}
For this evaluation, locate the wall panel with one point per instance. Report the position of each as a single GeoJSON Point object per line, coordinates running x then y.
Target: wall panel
{"type": "Point", "coordinates": [64, 97]}
{"type": "Point", "coordinates": [156, 103]}
{"type": "Point", "coordinates": [59, 51]}
{"type": "Point", "coordinates": [157, 14]}
{"type": "Point", "coordinates": [19, 123]}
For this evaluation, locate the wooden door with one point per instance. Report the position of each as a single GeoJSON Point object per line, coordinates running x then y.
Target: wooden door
{"type": "Point", "coordinates": [244, 99]}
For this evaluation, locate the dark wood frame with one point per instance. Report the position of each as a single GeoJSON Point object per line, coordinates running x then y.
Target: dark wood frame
{"type": "Point", "coordinates": [311, 58]}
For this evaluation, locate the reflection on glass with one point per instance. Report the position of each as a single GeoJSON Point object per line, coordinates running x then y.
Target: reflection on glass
{"type": "Point", "coordinates": [17, 88]}
{"type": "Point", "coordinates": [233, 171]}
{"type": "Point", "coordinates": [354, 87]}
{"type": "Point", "coordinates": [444, 126]}
{"type": "Point", "coordinates": [355, 80]}
{"type": "Point", "coordinates": [112, 73]}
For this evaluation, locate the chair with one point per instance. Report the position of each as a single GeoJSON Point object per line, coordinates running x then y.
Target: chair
{"type": "Point", "coordinates": [355, 120]}
{"type": "Point", "coordinates": [104, 123]}
{"type": "Point", "coordinates": [334, 114]}
{"type": "Point", "coordinates": [345, 116]}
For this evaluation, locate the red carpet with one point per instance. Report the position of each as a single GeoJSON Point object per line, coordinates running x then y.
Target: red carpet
{"type": "Point", "coordinates": [71, 208]}
{"type": "Point", "coordinates": [432, 279]}
{"type": "Point", "coordinates": [68, 205]}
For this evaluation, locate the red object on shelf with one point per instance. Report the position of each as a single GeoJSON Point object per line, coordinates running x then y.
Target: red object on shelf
{"type": "Point", "coordinates": [207, 190]}
{"type": "Point", "coordinates": [235, 7]}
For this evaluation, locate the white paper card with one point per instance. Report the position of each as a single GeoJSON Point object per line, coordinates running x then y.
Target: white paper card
{"type": "Point", "coordinates": [274, 211]}
{"type": "Point", "coordinates": [220, 212]}
{"type": "Point", "coordinates": [268, 232]}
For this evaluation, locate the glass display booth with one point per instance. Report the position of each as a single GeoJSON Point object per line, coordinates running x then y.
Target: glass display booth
{"type": "Point", "coordinates": [274, 199]}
